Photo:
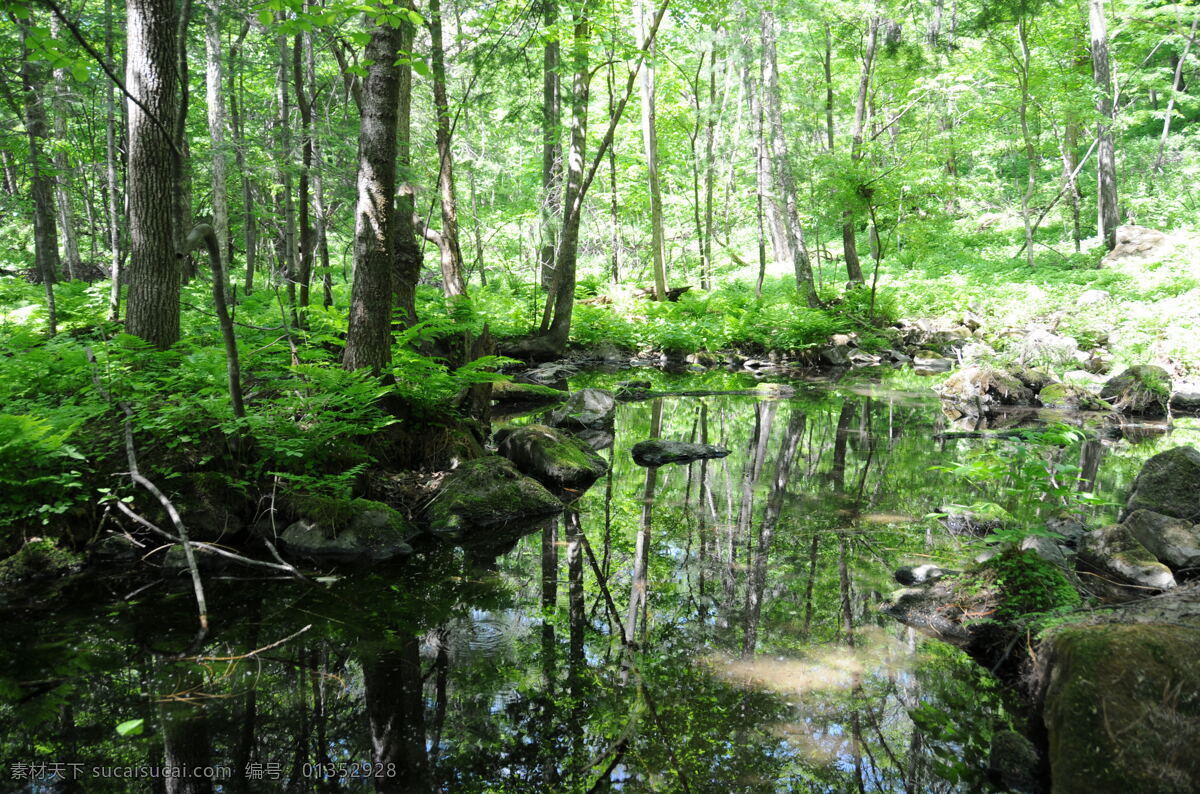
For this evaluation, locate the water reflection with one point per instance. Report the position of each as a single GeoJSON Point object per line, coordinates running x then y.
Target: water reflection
{"type": "Point", "coordinates": [702, 628]}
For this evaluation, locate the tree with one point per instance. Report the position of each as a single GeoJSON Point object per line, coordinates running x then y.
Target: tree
{"type": "Point", "coordinates": [368, 339]}
{"type": "Point", "coordinates": [650, 142]}
{"type": "Point", "coordinates": [215, 97]}
{"type": "Point", "coordinates": [153, 176]}
{"type": "Point", "coordinates": [453, 284]}
{"type": "Point", "coordinates": [1106, 165]}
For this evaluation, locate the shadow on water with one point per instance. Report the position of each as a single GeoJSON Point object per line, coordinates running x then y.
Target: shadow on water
{"type": "Point", "coordinates": [707, 627]}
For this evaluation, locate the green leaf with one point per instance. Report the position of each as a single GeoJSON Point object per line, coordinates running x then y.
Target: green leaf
{"type": "Point", "coordinates": [131, 727]}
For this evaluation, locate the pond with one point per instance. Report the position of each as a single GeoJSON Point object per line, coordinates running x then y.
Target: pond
{"type": "Point", "coordinates": [710, 627]}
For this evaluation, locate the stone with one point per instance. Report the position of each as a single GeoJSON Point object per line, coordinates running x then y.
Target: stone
{"type": "Point", "coordinates": [981, 389]}
{"type": "Point", "coordinates": [586, 409]}
{"type": "Point", "coordinates": [1114, 552]}
{"type": "Point", "coordinates": [1186, 401]}
{"type": "Point", "coordinates": [551, 456]}
{"type": "Point", "coordinates": [836, 355]}
{"type": "Point", "coordinates": [552, 372]}
{"type": "Point", "coordinates": [1136, 242]}
{"type": "Point", "coordinates": [346, 530]}
{"type": "Point", "coordinates": [488, 492]}
{"type": "Point", "coordinates": [861, 358]}
{"type": "Point", "coordinates": [530, 393]}
{"type": "Point", "coordinates": [930, 364]}
{"type": "Point", "coordinates": [959, 521]}
{"type": "Point", "coordinates": [1143, 389]}
{"type": "Point", "coordinates": [1013, 759]}
{"type": "Point", "coordinates": [39, 558]}
{"type": "Point", "coordinates": [1092, 297]}
{"type": "Point", "coordinates": [1169, 483]}
{"type": "Point", "coordinates": [1174, 541]}
{"type": "Point", "coordinates": [1047, 549]}
{"type": "Point", "coordinates": [658, 453]}
{"type": "Point", "coordinates": [1048, 348]}
{"type": "Point", "coordinates": [1066, 395]}
{"type": "Point", "coordinates": [1122, 708]}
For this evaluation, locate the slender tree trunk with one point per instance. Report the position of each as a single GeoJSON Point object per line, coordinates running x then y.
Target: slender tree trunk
{"type": "Point", "coordinates": [849, 221]}
{"type": "Point", "coordinates": [408, 250]}
{"type": "Point", "coordinates": [304, 105]}
{"type": "Point", "coordinates": [110, 168]}
{"type": "Point", "coordinates": [650, 144]}
{"type": "Point", "coordinates": [249, 219]}
{"type": "Point", "coordinates": [710, 166]}
{"type": "Point", "coordinates": [62, 168]}
{"type": "Point", "coordinates": [320, 219]}
{"type": "Point", "coordinates": [761, 176]}
{"type": "Point", "coordinates": [285, 203]}
{"type": "Point", "coordinates": [153, 181]}
{"type": "Point", "coordinates": [614, 204]}
{"type": "Point", "coordinates": [394, 703]}
{"type": "Point", "coordinates": [368, 340]}
{"type": "Point", "coordinates": [551, 205]}
{"type": "Point", "coordinates": [182, 198]}
{"type": "Point", "coordinates": [1106, 162]}
{"type": "Point", "coordinates": [45, 236]}
{"type": "Point", "coordinates": [785, 183]}
{"type": "Point", "coordinates": [1023, 72]}
{"type": "Point", "coordinates": [215, 95]}
{"type": "Point", "coordinates": [1175, 83]}
{"type": "Point", "coordinates": [451, 255]}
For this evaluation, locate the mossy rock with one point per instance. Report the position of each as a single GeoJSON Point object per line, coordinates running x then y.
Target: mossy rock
{"type": "Point", "coordinates": [978, 390]}
{"type": "Point", "coordinates": [488, 492]}
{"type": "Point", "coordinates": [551, 456]}
{"type": "Point", "coordinates": [349, 530]}
{"type": "Point", "coordinates": [1025, 584]}
{"type": "Point", "coordinates": [527, 393]}
{"type": "Point", "coordinates": [1143, 389]}
{"type": "Point", "coordinates": [1118, 557]}
{"type": "Point", "coordinates": [1075, 398]}
{"type": "Point", "coordinates": [37, 559]}
{"type": "Point", "coordinates": [1169, 483]}
{"type": "Point", "coordinates": [586, 409]}
{"type": "Point", "coordinates": [1122, 708]}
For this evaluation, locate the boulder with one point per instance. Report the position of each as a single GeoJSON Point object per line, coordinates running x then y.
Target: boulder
{"type": "Point", "coordinates": [1122, 708]}
{"type": "Point", "coordinates": [1186, 401]}
{"type": "Point", "coordinates": [1174, 541]}
{"type": "Point", "coordinates": [978, 390]}
{"type": "Point", "coordinates": [1169, 483]}
{"type": "Point", "coordinates": [836, 355]}
{"type": "Point", "coordinates": [1142, 389]}
{"type": "Point", "coordinates": [488, 492]}
{"type": "Point", "coordinates": [39, 558]}
{"type": "Point", "coordinates": [586, 409]}
{"type": "Point", "coordinates": [1116, 554]}
{"type": "Point", "coordinates": [658, 453]}
{"type": "Point", "coordinates": [528, 393]}
{"type": "Point", "coordinates": [1075, 398]}
{"type": "Point", "coordinates": [551, 456]}
{"type": "Point", "coordinates": [1136, 242]}
{"type": "Point", "coordinates": [928, 362]}
{"type": "Point", "coordinates": [1013, 760]}
{"type": "Point", "coordinates": [346, 530]}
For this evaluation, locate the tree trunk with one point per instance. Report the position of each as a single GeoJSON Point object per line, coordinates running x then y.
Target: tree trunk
{"type": "Point", "coordinates": [781, 165]}
{"type": "Point", "coordinates": [394, 704]}
{"type": "Point", "coordinates": [551, 205]}
{"type": "Point", "coordinates": [1023, 75]}
{"type": "Point", "coordinates": [318, 183]}
{"type": "Point", "coordinates": [285, 204]}
{"type": "Point", "coordinates": [407, 251]}
{"type": "Point", "coordinates": [249, 219]}
{"type": "Point", "coordinates": [62, 168]}
{"type": "Point", "coordinates": [113, 186]}
{"type": "Point", "coordinates": [614, 204]}
{"type": "Point", "coordinates": [45, 236]}
{"type": "Point", "coordinates": [1175, 83]}
{"type": "Point", "coordinates": [368, 340]}
{"type": "Point", "coordinates": [710, 135]}
{"type": "Point", "coordinates": [849, 222]}
{"type": "Point", "coordinates": [650, 143]}
{"type": "Point", "coordinates": [303, 104]}
{"type": "Point", "coordinates": [1106, 164]}
{"type": "Point", "coordinates": [183, 196]}
{"type": "Point", "coordinates": [451, 254]}
{"type": "Point", "coordinates": [153, 181]}
{"type": "Point", "coordinates": [215, 95]}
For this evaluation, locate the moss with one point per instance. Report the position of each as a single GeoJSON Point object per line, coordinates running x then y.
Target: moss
{"type": "Point", "coordinates": [37, 559]}
{"type": "Point", "coordinates": [1026, 585]}
{"type": "Point", "coordinates": [486, 492]}
{"type": "Point", "coordinates": [337, 514]}
{"type": "Point", "coordinates": [1122, 709]}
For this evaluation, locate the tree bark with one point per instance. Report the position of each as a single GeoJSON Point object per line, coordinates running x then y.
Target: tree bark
{"type": "Point", "coordinates": [113, 186]}
{"type": "Point", "coordinates": [650, 143]}
{"type": "Point", "coordinates": [62, 168]}
{"type": "Point", "coordinates": [1175, 83]}
{"type": "Point", "coordinates": [785, 183]}
{"type": "Point", "coordinates": [368, 340]}
{"type": "Point", "coordinates": [304, 105]}
{"type": "Point", "coordinates": [849, 221]}
{"type": "Point", "coordinates": [551, 205]}
{"type": "Point", "coordinates": [453, 284]}
{"type": "Point", "coordinates": [249, 219]}
{"type": "Point", "coordinates": [1106, 164]}
{"type": "Point", "coordinates": [153, 181]}
{"type": "Point", "coordinates": [407, 250]}
{"type": "Point", "coordinates": [45, 236]}
{"type": "Point", "coordinates": [215, 96]}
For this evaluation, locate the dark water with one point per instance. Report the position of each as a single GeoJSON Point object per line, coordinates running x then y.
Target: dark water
{"type": "Point", "coordinates": [702, 628]}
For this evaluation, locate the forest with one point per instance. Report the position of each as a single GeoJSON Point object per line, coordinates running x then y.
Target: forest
{"type": "Point", "coordinates": [599, 395]}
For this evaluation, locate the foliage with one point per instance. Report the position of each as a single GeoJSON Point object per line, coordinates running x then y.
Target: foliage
{"type": "Point", "coordinates": [1028, 586]}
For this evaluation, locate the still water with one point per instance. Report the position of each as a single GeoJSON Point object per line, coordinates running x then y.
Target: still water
{"type": "Point", "coordinates": [709, 627]}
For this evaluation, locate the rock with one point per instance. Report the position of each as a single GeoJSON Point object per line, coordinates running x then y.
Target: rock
{"type": "Point", "coordinates": [1048, 348]}
{"type": "Point", "coordinates": [844, 340]}
{"type": "Point", "coordinates": [114, 546]}
{"type": "Point", "coordinates": [1075, 398]}
{"type": "Point", "coordinates": [964, 522]}
{"type": "Point", "coordinates": [551, 456]}
{"type": "Point", "coordinates": [346, 530]}
{"type": "Point", "coordinates": [1135, 242]}
{"type": "Point", "coordinates": [488, 492]}
{"type": "Point", "coordinates": [980, 390]}
{"type": "Point", "coordinates": [609, 353]}
{"type": "Point", "coordinates": [924, 609]}
{"type": "Point", "coordinates": [704, 358]}
{"type": "Point", "coordinates": [1122, 708]}
{"type": "Point", "coordinates": [1169, 483]}
{"type": "Point", "coordinates": [531, 393]}
{"type": "Point", "coordinates": [1142, 389]}
{"type": "Point", "coordinates": [897, 356]}
{"type": "Point", "coordinates": [932, 362]}
{"type": "Point", "coordinates": [658, 453]}
{"type": "Point", "coordinates": [1173, 541]}
{"type": "Point", "coordinates": [1092, 297]}
{"type": "Point", "coordinates": [1013, 760]}
{"type": "Point", "coordinates": [1047, 549]}
{"type": "Point", "coordinates": [586, 409]}
{"type": "Point", "coordinates": [39, 558]}
{"type": "Point", "coordinates": [1186, 401]}
{"type": "Point", "coordinates": [552, 372]}
{"type": "Point", "coordinates": [1114, 552]}
{"type": "Point", "coordinates": [861, 358]}
{"type": "Point", "coordinates": [976, 352]}
{"type": "Point", "coordinates": [174, 561]}
{"type": "Point", "coordinates": [836, 355]}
